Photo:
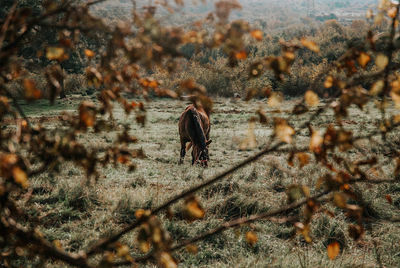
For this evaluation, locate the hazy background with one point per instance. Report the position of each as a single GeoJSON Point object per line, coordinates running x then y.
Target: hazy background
{"type": "Point", "coordinates": [270, 14]}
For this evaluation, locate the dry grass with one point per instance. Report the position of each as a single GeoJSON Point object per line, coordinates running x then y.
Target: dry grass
{"type": "Point", "coordinates": [76, 212]}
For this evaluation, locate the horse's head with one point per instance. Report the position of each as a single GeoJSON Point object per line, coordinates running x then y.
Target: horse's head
{"type": "Point", "coordinates": [201, 155]}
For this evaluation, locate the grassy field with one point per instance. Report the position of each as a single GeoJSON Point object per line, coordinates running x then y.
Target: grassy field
{"type": "Point", "coordinates": [75, 211]}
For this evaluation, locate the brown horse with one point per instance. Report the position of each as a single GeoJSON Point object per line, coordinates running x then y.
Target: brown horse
{"type": "Point", "coordinates": [194, 127]}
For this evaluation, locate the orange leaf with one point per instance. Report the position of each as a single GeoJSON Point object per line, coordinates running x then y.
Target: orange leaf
{"type": "Point", "coordinates": [340, 200]}
{"type": "Point", "coordinates": [257, 34]}
{"type": "Point", "coordinates": [316, 142]}
{"type": "Point", "coordinates": [55, 53]}
{"type": "Point", "coordinates": [304, 230]}
{"type": "Point", "coordinates": [275, 99]}
{"type": "Point", "coordinates": [123, 159]}
{"type": "Point", "coordinates": [251, 238]}
{"type": "Point", "coordinates": [89, 53]}
{"type": "Point", "coordinates": [363, 59]}
{"type": "Point", "coordinates": [381, 61]}
{"type": "Point", "coordinates": [377, 87]}
{"type": "Point", "coordinates": [153, 84]}
{"type": "Point", "coordinates": [328, 82]}
{"type": "Point", "coordinates": [192, 248]}
{"type": "Point", "coordinates": [8, 159]}
{"type": "Point", "coordinates": [311, 98]}
{"type": "Point", "coordinates": [31, 92]}
{"type": "Point", "coordinates": [310, 45]}
{"type": "Point", "coordinates": [20, 177]}
{"type": "Point", "coordinates": [167, 261]}
{"type": "Point", "coordinates": [389, 199]}
{"type": "Point", "coordinates": [283, 131]}
{"type": "Point", "coordinates": [122, 251]}
{"type": "Point", "coordinates": [57, 244]}
{"type": "Point", "coordinates": [333, 250]}
{"type": "Point", "coordinates": [241, 55]}
{"type": "Point", "coordinates": [395, 97]}
{"type": "Point", "coordinates": [144, 246]}
{"type": "Point", "coordinates": [193, 209]}
{"type": "Point", "coordinates": [392, 13]}
{"type": "Point", "coordinates": [303, 159]}
{"type": "Point", "coordinates": [141, 212]}
{"type": "Point", "coordinates": [87, 114]}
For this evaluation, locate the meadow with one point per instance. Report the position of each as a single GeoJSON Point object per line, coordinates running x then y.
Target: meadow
{"type": "Point", "coordinates": [74, 211]}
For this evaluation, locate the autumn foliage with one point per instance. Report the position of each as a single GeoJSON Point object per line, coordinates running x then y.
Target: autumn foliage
{"type": "Point", "coordinates": [123, 67]}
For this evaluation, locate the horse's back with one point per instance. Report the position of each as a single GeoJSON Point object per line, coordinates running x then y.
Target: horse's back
{"type": "Point", "coordinates": [185, 121]}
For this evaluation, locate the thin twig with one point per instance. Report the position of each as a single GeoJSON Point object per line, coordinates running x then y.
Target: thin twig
{"type": "Point", "coordinates": [7, 23]}
{"type": "Point", "coordinates": [44, 247]}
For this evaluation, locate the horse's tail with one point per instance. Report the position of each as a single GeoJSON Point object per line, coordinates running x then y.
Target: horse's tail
{"type": "Point", "coordinates": [197, 133]}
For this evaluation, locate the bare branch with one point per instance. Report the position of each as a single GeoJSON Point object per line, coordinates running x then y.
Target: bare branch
{"type": "Point", "coordinates": [44, 246]}
{"type": "Point", "coordinates": [7, 23]}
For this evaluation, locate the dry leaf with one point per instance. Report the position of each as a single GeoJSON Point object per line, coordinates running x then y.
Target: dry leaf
{"type": "Point", "coordinates": [328, 82]}
{"type": "Point", "coordinates": [192, 248]}
{"type": "Point", "coordinates": [392, 12]}
{"type": "Point", "coordinates": [303, 158]}
{"type": "Point", "coordinates": [381, 61]}
{"type": "Point", "coordinates": [167, 261]}
{"type": "Point", "coordinates": [241, 55]}
{"type": "Point", "coordinates": [294, 193]}
{"type": "Point", "coordinates": [122, 250]}
{"type": "Point", "coordinates": [141, 212]}
{"type": "Point", "coordinates": [283, 131]}
{"type": "Point", "coordinates": [249, 141]}
{"type": "Point", "coordinates": [289, 55]}
{"type": "Point", "coordinates": [310, 45]}
{"type": "Point", "coordinates": [55, 53]}
{"type": "Point", "coordinates": [275, 99]}
{"type": "Point", "coordinates": [389, 199]}
{"type": "Point", "coordinates": [20, 177]}
{"type": "Point", "coordinates": [87, 114]}
{"type": "Point", "coordinates": [363, 59]}
{"type": "Point", "coordinates": [333, 250]}
{"type": "Point", "coordinates": [340, 200]}
{"type": "Point", "coordinates": [31, 92]}
{"type": "Point", "coordinates": [144, 246]}
{"type": "Point", "coordinates": [251, 238]}
{"type": "Point", "coordinates": [316, 142]}
{"type": "Point", "coordinates": [376, 87]}
{"type": "Point", "coordinates": [57, 244]}
{"type": "Point", "coordinates": [257, 34]}
{"type": "Point", "coordinates": [89, 53]}
{"type": "Point", "coordinates": [304, 230]}
{"type": "Point", "coordinates": [311, 98]}
{"type": "Point", "coordinates": [396, 98]}
{"type": "Point", "coordinates": [193, 209]}
{"type": "Point", "coordinates": [355, 231]}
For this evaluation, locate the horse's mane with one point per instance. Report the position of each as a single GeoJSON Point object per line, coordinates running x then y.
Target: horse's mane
{"type": "Point", "coordinates": [198, 137]}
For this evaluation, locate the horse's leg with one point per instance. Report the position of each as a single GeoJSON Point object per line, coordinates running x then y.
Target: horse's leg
{"type": "Point", "coordinates": [188, 146]}
{"type": "Point", "coordinates": [193, 156]}
{"type": "Point", "coordinates": [183, 151]}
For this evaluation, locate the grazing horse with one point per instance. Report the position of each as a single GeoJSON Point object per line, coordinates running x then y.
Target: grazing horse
{"type": "Point", "coordinates": [194, 127]}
